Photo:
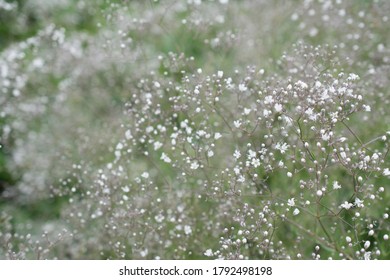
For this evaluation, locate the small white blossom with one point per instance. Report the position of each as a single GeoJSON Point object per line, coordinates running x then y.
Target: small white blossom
{"type": "Point", "coordinates": [282, 147]}
{"type": "Point", "coordinates": [247, 111]}
{"type": "Point", "coordinates": [237, 123]}
{"type": "Point", "coordinates": [208, 253]}
{"type": "Point", "coordinates": [353, 77]}
{"type": "Point", "coordinates": [157, 145]}
{"type": "Point", "coordinates": [346, 205]}
{"type": "Point", "coordinates": [255, 162]}
{"type": "Point", "coordinates": [144, 253]}
{"type": "Point", "coordinates": [128, 134]}
{"type": "Point", "coordinates": [241, 179]}
{"type": "Point", "coordinates": [194, 165]}
{"type": "Point", "coordinates": [187, 230]}
{"type": "Point", "coordinates": [251, 154]}
{"type": "Point", "coordinates": [386, 172]}
{"type": "Point", "coordinates": [269, 99]}
{"type": "Point", "coordinates": [291, 202]}
{"type": "Point", "coordinates": [367, 108]}
{"type": "Point", "coordinates": [266, 112]}
{"type": "Point", "coordinates": [278, 107]}
{"type": "Point", "coordinates": [237, 154]}
{"type": "Point", "coordinates": [159, 218]}
{"type": "Point", "coordinates": [296, 211]}
{"type": "Point", "coordinates": [301, 84]}
{"type": "Point", "coordinates": [242, 87]}
{"type": "Point", "coordinates": [217, 135]}
{"type": "Point", "coordinates": [165, 158]}
{"type": "Point", "coordinates": [359, 203]}
{"type": "Point", "coordinates": [336, 185]}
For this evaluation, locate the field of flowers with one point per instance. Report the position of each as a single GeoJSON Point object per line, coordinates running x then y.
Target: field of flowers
{"type": "Point", "coordinates": [194, 129]}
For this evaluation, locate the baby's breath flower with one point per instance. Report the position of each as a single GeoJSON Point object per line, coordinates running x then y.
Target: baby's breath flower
{"type": "Point", "coordinates": [336, 185]}
{"type": "Point", "coordinates": [291, 202]}
{"type": "Point", "coordinates": [346, 205]}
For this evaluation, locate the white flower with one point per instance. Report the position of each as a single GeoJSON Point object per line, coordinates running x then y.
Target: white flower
{"type": "Point", "coordinates": [128, 134]}
{"type": "Point", "coordinates": [217, 135]}
{"type": "Point", "coordinates": [325, 95]}
{"type": "Point", "coordinates": [149, 129]}
{"type": "Point", "coordinates": [269, 99]}
{"type": "Point", "coordinates": [336, 185]}
{"type": "Point", "coordinates": [165, 158]}
{"type": "Point", "coordinates": [208, 253]}
{"type": "Point", "coordinates": [242, 87]}
{"type": "Point", "coordinates": [296, 211]}
{"type": "Point", "coordinates": [266, 112]}
{"type": "Point", "coordinates": [278, 107]}
{"type": "Point", "coordinates": [359, 203]}
{"type": "Point", "coordinates": [367, 108]}
{"type": "Point", "coordinates": [145, 175]}
{"type": "Point", "coordinates": [291, 202]}
{"type": "Point", "coordinates": [255, 162]}
{"type": "Point", "coordinates": [187, 230]}
{"type": "Point", "coordinates": [367, 244]}
{"type": "Point", "coordinates": [237, 154]}
{"type": "Point", "coordinates": [220, 74]}
{"type": "Point", "coordinates": [309, 111]}
{"type": "Point", "coordinates": [282, 147]}
{"type": "Point", "coordinates": [251, 154]}
{"type": "Point", "coordinates": [353, 77]}
{"type": "Point", "coordinates": [237, 123]}
{"type": "Point", "coordinates": [194, 165]}
{"type": "Point", "coordinates": [241, 179]}
{"type": "Point", "coordinates": [325, 136]}
{"type": "Point", "coordinates": [346, 205]}
{"type": "Point", "coordinates": [157, 145]}
{"type": "Point", "coordinates": [144, 253]}
{"type": "Point", "coordinates": [159, 218]}
{"type": "Point", "coordinates": [301, 84]}
{"type": "Point", "coordinates": [210, 153]}
{"type": "Point", "coordinates": [386, 172]}
{"type": "Point", "coordinates": [247, 111]}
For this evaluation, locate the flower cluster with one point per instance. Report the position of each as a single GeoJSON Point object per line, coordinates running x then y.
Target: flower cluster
{"type": "Point", "coordinates": [182, 130]}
